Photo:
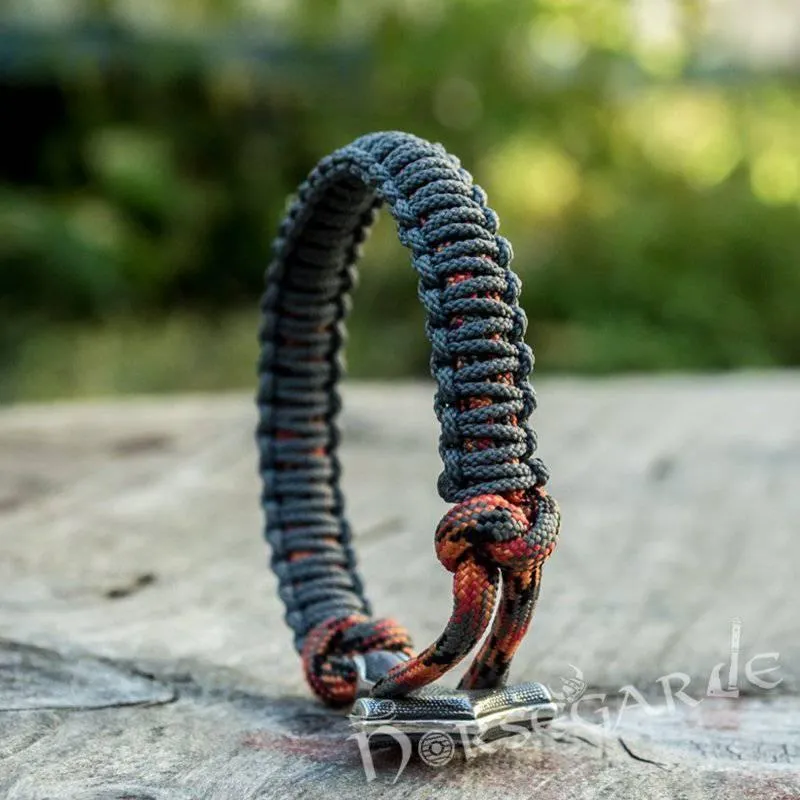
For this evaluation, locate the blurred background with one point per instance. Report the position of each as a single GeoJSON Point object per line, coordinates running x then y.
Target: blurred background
{"type": "Point", "coordinates": [644, 159]}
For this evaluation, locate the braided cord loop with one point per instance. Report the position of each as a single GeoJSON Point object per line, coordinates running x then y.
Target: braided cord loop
{"type": "Point", "coordinates": [503, 524]}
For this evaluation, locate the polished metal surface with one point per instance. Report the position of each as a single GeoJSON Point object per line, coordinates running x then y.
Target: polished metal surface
{"type": "Point", "coordinates": [373, 665]}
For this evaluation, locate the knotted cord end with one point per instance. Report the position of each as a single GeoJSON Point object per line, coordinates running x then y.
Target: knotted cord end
{"type": "Point", "coordinates": [478, 539]}
{"type": "Point", "coordinates": [329, 648]}
{"type": "Point", "coordinates": [514, 536]}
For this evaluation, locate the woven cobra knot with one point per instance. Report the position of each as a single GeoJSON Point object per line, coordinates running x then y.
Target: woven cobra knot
{"type": "Point", "coordinates": [513, 537]}
{"type": "Point", "coordinates": [329, 646]}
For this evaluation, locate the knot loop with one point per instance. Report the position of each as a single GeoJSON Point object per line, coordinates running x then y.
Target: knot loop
{"type": "Point", "coordinates": [479, 539]}
{"type": "Point", "coordinates": [498, 531]}
{"type": "Point", "coordinates": [329, 647]}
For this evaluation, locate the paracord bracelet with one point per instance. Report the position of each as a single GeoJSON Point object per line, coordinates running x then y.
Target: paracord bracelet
{"type": "Point", "coordinates": [503, 522]}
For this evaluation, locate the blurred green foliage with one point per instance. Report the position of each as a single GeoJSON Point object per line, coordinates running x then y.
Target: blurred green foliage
{"type": "Point", "coordinates": [652, 198]}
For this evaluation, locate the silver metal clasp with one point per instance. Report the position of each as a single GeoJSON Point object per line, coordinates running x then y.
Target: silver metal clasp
{"type": "Point", "coordinates": [465, 715]}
